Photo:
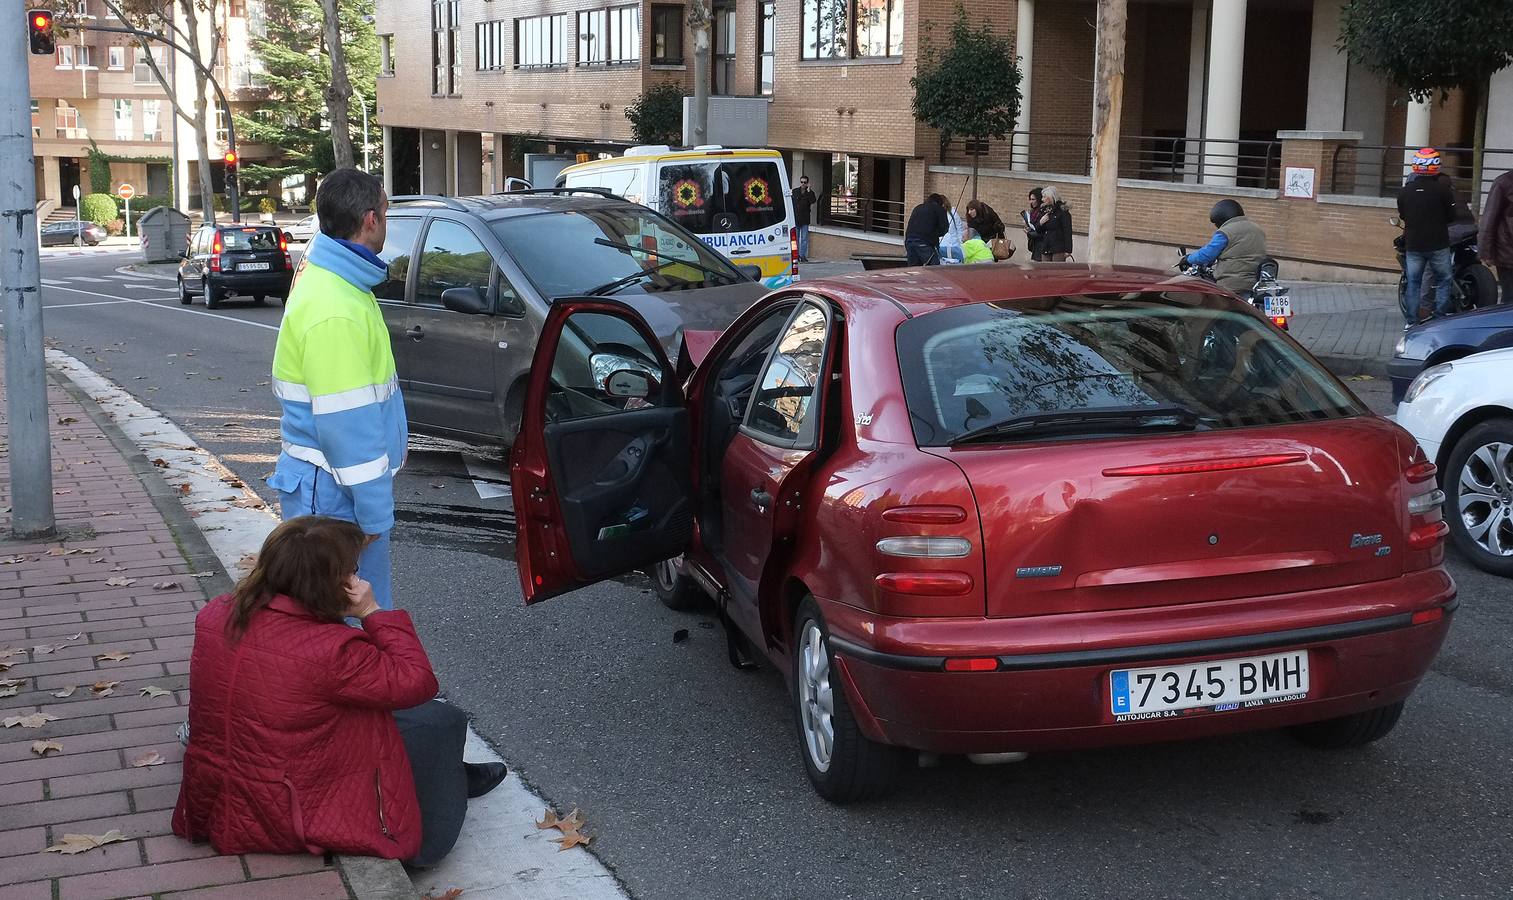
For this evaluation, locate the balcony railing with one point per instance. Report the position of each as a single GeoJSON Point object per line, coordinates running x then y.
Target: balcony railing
{"type": "Point", "coordinates": [869, 214]}
{"type": "Point", "coordinates": [1379, 170]}
{"type": "Point", "coordinates": [1152, 157]}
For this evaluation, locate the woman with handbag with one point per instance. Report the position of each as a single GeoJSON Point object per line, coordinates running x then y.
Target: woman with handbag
{"type": "Point", "coordinates": [1055, 224]}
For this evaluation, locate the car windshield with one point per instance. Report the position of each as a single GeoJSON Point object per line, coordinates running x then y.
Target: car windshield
{"type": "Point", "coordinates": [618, 249]}
{"type": "Point", "coordinates": [249, 239]}
{"type": "Point", "coordinates": [710, 198]}
{"type": "Point", "coordinates": [1111, 363]}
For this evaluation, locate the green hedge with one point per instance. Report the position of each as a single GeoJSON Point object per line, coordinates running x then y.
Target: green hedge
{"type": "Point", "coordinates": [140, 204]}
{"type": "Point", "coordinates": [98, 208]}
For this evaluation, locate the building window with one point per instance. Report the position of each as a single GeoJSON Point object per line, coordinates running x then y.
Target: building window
{"type": "Point", "coordinates": [66, 122]}
{"type": "Point", "coordinates": [608, 37]}
{"type": "Point", "coordinates": [446, 52]}
{"type": "Point", "coordinates": [142, 72]}
{"type": "Point", "coordinates": [490, 41]}
{"type": "Point", "coordinates": [666, 35]}
{"type": "Point", "coordinates": [386, 54]}
{"type": "Point", "coordinates": [541, 42]}
{"type": "Point", "coordinates": [82, 58]}
{"type": "Point", "coordinates": [150, 125]}
{"type": "Point", "coordinates": [123, 120]}
{"type": "Point", "coordinates": [36, 119]}
{"type": "Point", "coordinates": [116, 58]}
{"type": "Point", "coordinates": [853, 29]}
{"type": "Point", "coordinates": [65, 56]}
{"type": "Point", "coordinates": [221, 135]}
{"type": "Point", "coordinates": [766, 41]}
{"type": "Point", "coordinates": [722, 49]}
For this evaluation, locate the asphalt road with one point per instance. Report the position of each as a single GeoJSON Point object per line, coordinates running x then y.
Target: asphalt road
{"type": "Point", "coordinates": [688, 769]}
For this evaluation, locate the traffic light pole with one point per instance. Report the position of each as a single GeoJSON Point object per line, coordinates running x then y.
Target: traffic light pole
{"type": "Point", "coordinates": [30, 452]}
{"type": "Point", "coordinates": [232, 201]}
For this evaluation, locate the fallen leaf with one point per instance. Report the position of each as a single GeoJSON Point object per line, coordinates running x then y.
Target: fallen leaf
{"type": "Point", "coordinates": [41, 748]}
{"type": "Point", "coordinates": [61, 551]}
{"type": "Point", "coordinates": [248, 562]}
{"type": "Point", "coordinates": [150, 758]}
{"type": "Point", "coordinates": [572, 822]}
{"type": "Point", "coordinates": [61, 493]}
{"type": "Point", "coordinates": [5, 665]}
{"type": "Point", "coordinates": [44, 649]}
{"type": "Point", "coordinates": [75, 636]}
{"type": "Point", "coordinates": [184, 488]}
{"type": "Point", "coordinates": [13, 560]}
{"type": "Point", "coordinates": [451, 894]}
{"type": "Point", "coordinates": [203, 575]}
{"type": "Point", "coordinates": [571, 839]}
{"type": "Point", "coordinates": [167, 586]}
{"type": "Point", "coordinates": [79, 843]}
{"type": "Point", "coordinates": [249, 504]}
{"type": "Point", "coordinates": [66, 420]}
{"type": "Point", "coordinates": [9, 691]}
{"type": "Point", "coordinates": [262, 384]}
{"type": "Point", "coordinates": [35, 720]}
{"type": "Point", "coordinates": [113, 656]}
{"type": "Point", "coordinates": [66, 692]}
{"type": "Point", "coordinates": [160, 463]}
{"type": "Point", "coordinates": [98, 561]}
{"type": "Point", "coordinates": [121, 582]}
{"type": "Point", "coordinates": [11, 682]}
{"type": "Point", "coordinates": [153, 690]}
{"type": "Point", "coordinates": [89, 551]}
{"type": "Point", "coordinates": [104, 688]}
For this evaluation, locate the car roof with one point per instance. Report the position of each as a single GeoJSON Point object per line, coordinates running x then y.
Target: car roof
{"type": "Point", "coordinates": [245, 226]}
{"type": "Point", "coordinates": [493, 207]}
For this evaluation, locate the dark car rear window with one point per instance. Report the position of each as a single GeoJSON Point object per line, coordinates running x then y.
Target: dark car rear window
{"type": "Point", "coordinates": [710, 198]}
{"type": "Point", "coordinates": [969, 367]}
{"type": "Point", "coordinates": [250, 239]}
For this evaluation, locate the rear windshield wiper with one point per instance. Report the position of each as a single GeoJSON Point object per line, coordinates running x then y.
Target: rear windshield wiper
{"type": "Point", "coordinates": [707, 270]}
{"type": "Point", "coordinates": [1086, 421]}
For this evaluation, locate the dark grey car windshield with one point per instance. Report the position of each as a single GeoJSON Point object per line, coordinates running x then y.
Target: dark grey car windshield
{"type": "Point", "coordinates": [567, 253]}
{"type": "Point", "coordinates": [970, 367]}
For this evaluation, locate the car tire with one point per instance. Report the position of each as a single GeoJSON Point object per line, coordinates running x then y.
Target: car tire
{"type": "Point", "coordinates": [1476, 492]}
{"type": "Point", "coordinates": [78, 242]}
{"type": "Point", "coordinates": [212, 296]}
{"type": "Point", "coordinates": [258, 299]}
{"type": "Point", "coordinates": [1347, 732]}
{"type": "Point", "coordinates": [1478, 287]}
{"type": "Point", "coordinates": [675, 589]}
{"type": "Point", "coordinates": [843, 764]}
{"type": "Point", "coordinates": [185, 297]}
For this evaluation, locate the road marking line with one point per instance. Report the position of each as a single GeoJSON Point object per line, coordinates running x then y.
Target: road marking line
{"type": "Point", "coordinates": [88, 279]}
{"type": "Point", "coordinates": [52, 282]}
{"type": "Point", "coordinates": [154, 304]}
{"type": "Point", "coordinates": [127, 273]}
{"type": "Point", "coordinates": [490, 479]}
{"type": "Point", "coordinates": [96, 303]}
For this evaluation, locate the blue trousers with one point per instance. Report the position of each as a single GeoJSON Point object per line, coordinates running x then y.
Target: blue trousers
{"type": "Point", "coordinates": [316, 493]}
{"type": "Point", "coordinates": [1439, 263]}
{"type": "Point", "coordinates": [803, 231]}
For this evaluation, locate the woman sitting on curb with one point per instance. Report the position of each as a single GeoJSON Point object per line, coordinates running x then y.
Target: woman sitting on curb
{"type": "Point", "coordinates": [302, 735]}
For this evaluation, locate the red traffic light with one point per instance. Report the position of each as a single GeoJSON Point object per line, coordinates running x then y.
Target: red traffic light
{"type": "Point", "coordinates": [42, 21]}
{"type": "Point", "coordinates": [40, 24]}
{"type": "Point", "coordinates": [230, 157]}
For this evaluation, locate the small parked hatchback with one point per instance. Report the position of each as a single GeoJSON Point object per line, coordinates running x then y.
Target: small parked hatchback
{"type": "Point", "coordinates": [223, 260]}
{"type": "Point", "coordinates": [57, 234]}
{"type": "Point", "coordinates": [987, 510]}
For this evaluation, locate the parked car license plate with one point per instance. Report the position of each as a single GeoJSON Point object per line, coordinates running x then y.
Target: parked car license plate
{"type": "Point", "coordinates": [1278, 305]}
{"type": "Point", "coordinates": [263, 267]}
{"type": "Point", "coordinates": [1219, 683]}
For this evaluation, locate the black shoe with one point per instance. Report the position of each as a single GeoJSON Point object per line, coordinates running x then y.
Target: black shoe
{"type": "Point", "coordinates": [484, 777]}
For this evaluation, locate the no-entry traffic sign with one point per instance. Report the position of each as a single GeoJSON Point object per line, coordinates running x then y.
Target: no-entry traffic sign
{"type": "Point", "coordinates": [126, 192]}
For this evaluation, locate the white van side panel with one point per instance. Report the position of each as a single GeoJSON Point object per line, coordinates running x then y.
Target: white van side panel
{"type": "Point", "coordinates": [622, 181]}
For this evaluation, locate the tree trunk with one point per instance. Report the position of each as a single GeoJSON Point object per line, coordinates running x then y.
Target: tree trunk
{"type": "Point", "coordinates": [698, 21]}
{"type": "Point", "coordinates": [976, 154]}
{"type": "Point", "coordinates": [339, 91]}
{"type": "Point", "coordinates": [1479, 147]}
{"type": "Point", "coordinates": [191, 11]}
{"type": "Point", "coordinates": [1108, 104]}
{"type": "Point", "coordinates": [202, 148]}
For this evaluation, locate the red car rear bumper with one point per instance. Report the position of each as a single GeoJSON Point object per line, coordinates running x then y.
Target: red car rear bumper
{"type": "Point", "coordinates": [1055, 695]}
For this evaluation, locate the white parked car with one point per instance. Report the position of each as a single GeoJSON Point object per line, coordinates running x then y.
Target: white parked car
{"type": "Point", "coordinates": [304, 229]}
{"type": "Point", "coordinates": [1461, 412]}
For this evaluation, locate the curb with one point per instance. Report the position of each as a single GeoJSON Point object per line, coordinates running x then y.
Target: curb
{"type": "Point", "coordinates": [189, 466]}
{"type": "Point", "coordinates": [1346, 366]}
{"type": "Point", "coordinates": [145, 270]}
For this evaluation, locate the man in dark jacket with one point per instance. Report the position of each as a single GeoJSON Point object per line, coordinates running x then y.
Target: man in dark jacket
{"type": "Point", "coordinates": [803, 207]}
{"type": "Point", "coordinates": [1426, 204]}
{"type": "Point", "coordinates": [1494, 242]}
{"type": "Point", "coordinates": [928, 223]}
{"type": "Point", "coordinates": [1236, 249]}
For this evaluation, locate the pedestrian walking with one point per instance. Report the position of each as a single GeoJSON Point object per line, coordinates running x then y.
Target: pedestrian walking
{"type": "Point", "coordinates": [1494, 241]}
{"type": "Point", "coordinates": [928, 223]}
{"type": "Point", "coordinates": [803, 210]}
{"type": "Point", "coordinates": [1030, 215]}
{"type": "Point", "coordinates": [1426, 206]}
{"type": "Point", "coordinates": [313, 737]}
{"type": "Point", "coordinates": [951, 244]}
{"type": "Point", "coordinates": [343, 423]}
{"type": "Point", "coordinates": [1055, 226]}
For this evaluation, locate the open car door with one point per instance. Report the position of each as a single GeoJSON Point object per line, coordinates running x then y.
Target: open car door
{"type": "Point", "coordinates": [600, 469]}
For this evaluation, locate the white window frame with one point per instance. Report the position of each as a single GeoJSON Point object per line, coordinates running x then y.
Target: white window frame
{"type": "Point", "coordinates": [116, 58]}
{"type": "Point", "coordinates": [123, 115]}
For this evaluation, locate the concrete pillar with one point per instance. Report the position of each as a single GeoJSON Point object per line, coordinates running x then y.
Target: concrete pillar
{"type": "Point", "coordinates": [1366, 112]}
{"type": "Point", "coordinates": [1024, 48]}
{"type": "Point", "coordinates": [433, 162]}
{"type": "Point", "coordinates": [1415, 132]}
{"type": "Point", "coordinates": [52, 182]}
{"type": "Point", "coordinates": [1328, 70]}
{"type": "Point", "coordinates": [1226, 71]}
{"type": "Point", "coordinates": [449, 144]}
{"type": "Point", "coordinates": [468, 158]}
{"type": "Point", "coordinates": [388, 160]}
{"type": "Point", "coordinates": [1197, 81]}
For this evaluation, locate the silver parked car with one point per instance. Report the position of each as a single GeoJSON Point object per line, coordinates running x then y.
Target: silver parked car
{"type": "Point", "coordinates": [471, 280]}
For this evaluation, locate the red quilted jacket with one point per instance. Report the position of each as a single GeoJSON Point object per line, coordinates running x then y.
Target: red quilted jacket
{"type": "Point", "coordinates": [292, 745]}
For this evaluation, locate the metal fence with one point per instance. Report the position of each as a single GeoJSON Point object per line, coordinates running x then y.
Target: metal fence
{"type": "Point", "coordinates": [863, 213]}
{"type": "Point", "coordinates": [1171, 158]}
{"type": "Point", "coordinates": [1379, 170]}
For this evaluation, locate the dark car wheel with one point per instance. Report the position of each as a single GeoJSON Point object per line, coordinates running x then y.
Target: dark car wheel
{"type": "Point", "coordinates": [257, 298]}
{"type": "Point", "coordinates": [1478, 482]}
{"type": "Point", "coordinates": [78, 242]}
{"type": "Point", "coordinates": [212, 296]}
{"type": "Point", "coordinates": [184, 296]}
{"type": "Point", "coordinates": [843, 763]}
{"type": "Point", "coordinates": [1350, 731]}
{"type": "Point", "coordinates": [1479, 287]}
{"type": "Point", "coordinates": [675, 589]}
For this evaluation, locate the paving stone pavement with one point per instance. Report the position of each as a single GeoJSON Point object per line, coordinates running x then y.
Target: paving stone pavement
{"type": "Point", "coordinates": [117, 579]}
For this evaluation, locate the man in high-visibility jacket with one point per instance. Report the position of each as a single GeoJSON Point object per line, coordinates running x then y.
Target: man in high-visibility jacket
{"type": "Point", "coordinates": [344, 429]}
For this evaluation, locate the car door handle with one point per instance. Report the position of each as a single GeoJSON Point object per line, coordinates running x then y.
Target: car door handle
{"type": "Point", "coordinates": [416, 333]}
{"type": "Point", "coordinates": [760, 499]}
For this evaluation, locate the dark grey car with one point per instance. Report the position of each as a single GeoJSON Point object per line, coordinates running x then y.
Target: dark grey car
{"type": "Point", "coordinates": [471, 280]}
{"type": "Point", "coordinates": [74, 232]}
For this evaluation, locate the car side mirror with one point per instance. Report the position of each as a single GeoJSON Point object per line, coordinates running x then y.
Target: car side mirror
{"type": "Point", "coordinates": [751, 271]}
{"type": "Point", "coordinates": [466, 300]}
{"type": "Point", "coordinates": [629, 384]}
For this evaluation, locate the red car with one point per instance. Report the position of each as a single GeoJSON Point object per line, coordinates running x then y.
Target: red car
{"type": "Point", "coordinates": [987, 510]}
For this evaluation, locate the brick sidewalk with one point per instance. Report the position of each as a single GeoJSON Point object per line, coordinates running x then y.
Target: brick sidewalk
{"type": "Point", "coordinates": [58, 593]}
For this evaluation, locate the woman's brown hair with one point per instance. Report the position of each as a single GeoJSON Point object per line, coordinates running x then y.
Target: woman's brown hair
{"type": "Point", "coordinates": [308, 560]}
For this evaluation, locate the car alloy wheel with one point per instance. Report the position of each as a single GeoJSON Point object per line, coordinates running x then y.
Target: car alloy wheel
{"type": "Point", "coordinates": [1484, 497]}
{"type": "Point", "coordinates": [673, 587]}
{"type": "Point", "coordinates": [816, 696]}
{"type": "Point", "coordinates": [212, 296]}
{"type": "Point", "coordinates": [184, 295]}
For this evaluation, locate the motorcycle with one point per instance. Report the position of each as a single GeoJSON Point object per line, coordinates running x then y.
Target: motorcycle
{"type": "Point", "coordinates": [1473, 286]}
{"type": "Point", "coordinates": [1272, 298]}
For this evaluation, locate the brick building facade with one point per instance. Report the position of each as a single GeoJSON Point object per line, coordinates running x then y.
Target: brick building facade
{"type": "Point", "coordinates": [1222, 98]}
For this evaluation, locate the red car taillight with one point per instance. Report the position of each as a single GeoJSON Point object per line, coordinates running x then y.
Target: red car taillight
{"type": "Point", "coordinates": [793, 253]}
{"type": "Point", "coordinates": [1426, 519]}
{"type": "Point", "coordinates": [215, 254]}
{"type": "Point", "coordinates": [933, 569]}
